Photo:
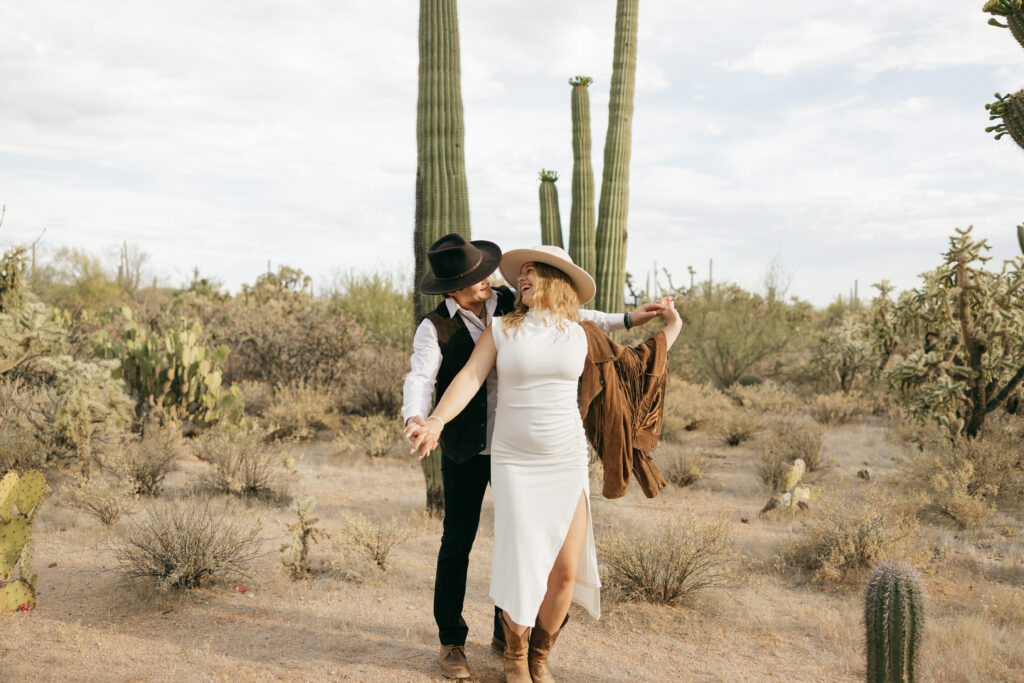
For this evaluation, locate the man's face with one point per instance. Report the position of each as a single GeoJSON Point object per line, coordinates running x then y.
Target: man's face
{"type": "Point", "coordinates": [476, 294]}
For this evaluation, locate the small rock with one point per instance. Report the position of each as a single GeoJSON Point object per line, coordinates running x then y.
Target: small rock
{"type": "Point", "coordinates": [865, 475]}
{"type": "Point", "coordinates": [744, 520]}
{"type": "Point", "coordinates": [52, 565]}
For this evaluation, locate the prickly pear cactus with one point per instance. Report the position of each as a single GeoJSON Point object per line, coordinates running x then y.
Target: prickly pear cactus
{"type": "Point", "coordinates": [20, 497]}
{"type": "Point", "coordinates": [178, 373]}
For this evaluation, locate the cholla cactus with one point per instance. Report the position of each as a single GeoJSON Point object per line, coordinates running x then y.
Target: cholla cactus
{"type": "Point", "coordinates": [304, 531]}
{"type": "Point", "coordinates": [893, 617]}
{"type": "Point", "coordinates": [972, 320]}
{"type": "Point", "coordinates": [20, 497]}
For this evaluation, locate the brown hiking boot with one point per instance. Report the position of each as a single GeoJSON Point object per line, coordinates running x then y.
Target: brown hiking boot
{"type": "Point", "coordinates": [517, 669]}
{"type": "Point", "coordinates": [541, 643]}
{"type": "Point", "coordinates": [453, 661]}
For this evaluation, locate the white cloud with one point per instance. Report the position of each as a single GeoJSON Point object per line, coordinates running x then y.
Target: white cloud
{"type": "Point", "coordinates": [810, 44]}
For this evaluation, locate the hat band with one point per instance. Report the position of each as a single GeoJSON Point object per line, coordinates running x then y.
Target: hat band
{"type": "Point", "coordinates": [480, 259]}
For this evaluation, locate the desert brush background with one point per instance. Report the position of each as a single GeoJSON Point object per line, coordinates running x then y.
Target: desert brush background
{"type": "Point", "coordinates": [230, 496]}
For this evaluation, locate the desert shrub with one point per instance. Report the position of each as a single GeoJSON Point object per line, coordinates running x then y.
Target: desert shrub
{"type": "Point", "coordinates": [372, 435]}
{"type": "Point", "coordinates": [377, 537]}
{"type": "Point", "coordinates": [103, 497]}
{"type": "Point", "coordinates": [771, 466]}
{"type": "Point", "coordinates": [241, 464]}
{"type": "Point", "coordinates": [730, 331]}
{"type": "Point", "coordinates": [257, 396]}
{"type": "Point", "coordinates": [380, 302]}
{"type": "Point", "coordinates": [299, 411]}
{"type": "Point", "coordinates": [283, 340]}
{"type": "Point", "coordinates": [833, 409]}
{"type": "Point", "coordinates": [184, 544]}
{"type": "Point", "coordinates": [963, 479]}
{"type": "Point", "coordinates": [736, 426]}
{"type": "Point", "coordinates": [375, 383]}
{"type": "Point", "coordinates": [845, 351]}
{"type": "Point", "coordinates": [20, 450]}
{"type": "Point", "coordinates": [688, 406]}
{"type": "Point", "coordinates": [304, 531]}
{"type": "Point", "coordinates": [848, 537]}
{"type": "Point", "coordinates": [671, 563]}
{"type": "Point", "coordinates": [797, 439]}
{"type": "Point", "coordinates": [147, 460]}
{"type": "Point", "coordinates": [684, 469]}
{"type": "Point", "coordinates": [767, 397]}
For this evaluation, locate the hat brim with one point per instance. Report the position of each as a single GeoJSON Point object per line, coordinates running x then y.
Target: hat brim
{"type": "Point", "coordinates": [491, 257]}
{"type": "Point", "coordinates": [513, 261]}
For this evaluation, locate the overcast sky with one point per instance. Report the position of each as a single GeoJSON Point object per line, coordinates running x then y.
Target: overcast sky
{"type": "Point", "coordinates": [844, 140]}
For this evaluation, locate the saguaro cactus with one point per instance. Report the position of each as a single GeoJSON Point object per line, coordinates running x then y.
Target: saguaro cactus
{"type": "Point", "coordinates": [614, 205]}
{"type": "Point", "coordinates": [1012, 11]}
{"type": "Point", "coordinates": [19, 501]}
{"type": "Point", "coordinates": [582, 246]}
{"type": "Point", "coordinates": [442, 195]}
{"type": "Point", "coordinates": [893, 617]}
{"type": "Point", "coordinates": [550, 218]}
{"type": "Point", "coordinates": [1009, 111]}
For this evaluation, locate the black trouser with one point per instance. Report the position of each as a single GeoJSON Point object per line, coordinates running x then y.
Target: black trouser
{"type": "Point", "coordinates": [464, 486]}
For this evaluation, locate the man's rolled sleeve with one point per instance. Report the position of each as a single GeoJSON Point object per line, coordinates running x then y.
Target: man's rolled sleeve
{"type": "Point", "coordinates": [606, 321]}
{"type": "Point", "coordinates": [418, 389]}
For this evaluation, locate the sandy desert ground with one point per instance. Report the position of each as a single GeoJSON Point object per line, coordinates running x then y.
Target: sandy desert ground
{"type": "Point", "coordinates": [354, 622]}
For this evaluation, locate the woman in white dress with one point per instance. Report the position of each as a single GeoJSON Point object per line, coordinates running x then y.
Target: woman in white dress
{"type": "Point", "coordinates": [544, 554]}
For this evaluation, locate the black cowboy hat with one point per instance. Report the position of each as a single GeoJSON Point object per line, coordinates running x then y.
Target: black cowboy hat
{"type": "Point", "coordinates": [456, 263]}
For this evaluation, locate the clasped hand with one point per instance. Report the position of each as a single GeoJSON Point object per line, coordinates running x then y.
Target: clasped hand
{"type": "Point", "coordinates": [423, 435]}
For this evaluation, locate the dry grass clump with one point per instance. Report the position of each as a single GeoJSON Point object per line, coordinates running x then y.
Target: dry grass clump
{"type": "Point", "coordinates": [377, 537]}
{"type": "Point", "coordinates": [20, 450]}
{"type": "Point", "coordinates": [791, 439]}
{"type": "Point", "coordinates": [186, 543]}
{"type": "Point", "coordinates": [736, 426]}
{"type": "Point", "coordinates": [105, 498]}
{"type": "Point", "coordinates": [690, 406]}
{"type": "Point", "coordinates": [241, 464]}
{"type": "Point", "coordinates": [671, 563]}
{"type": "Point", "coordinates": [767, 397]}
{"type": "Point", "coordinates": [848, 538]}
{"type": "Point", "coordinates": [835, 408]}
{"type": "Point", "coordinates": [372, 435]}
{"type": "Point", "coordinates": [963, 479]}
{"type": "Point", "coordinates": [257, 396]}
{"type": "Point", "coordinates": [684, 469]}
{"type": "Point", "coordinates": [299, 410]}
{"type": "Point", "coordinates": [146, 461]}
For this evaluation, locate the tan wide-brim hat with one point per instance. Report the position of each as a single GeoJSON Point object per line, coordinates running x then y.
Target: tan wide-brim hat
{"type": "Point", "coordinates": [512, 262]}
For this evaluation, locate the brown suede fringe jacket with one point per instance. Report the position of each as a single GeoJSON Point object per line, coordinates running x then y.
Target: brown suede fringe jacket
{"type": "Point", "coordinates": [622, 400]}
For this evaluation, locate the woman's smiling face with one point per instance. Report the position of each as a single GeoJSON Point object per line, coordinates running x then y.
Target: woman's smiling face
{"type": "Point", "coordinates": [526, 282]}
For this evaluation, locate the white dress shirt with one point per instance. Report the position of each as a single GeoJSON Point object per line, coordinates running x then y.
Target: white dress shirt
{"type": "Point", "coordinates": [418, 390]}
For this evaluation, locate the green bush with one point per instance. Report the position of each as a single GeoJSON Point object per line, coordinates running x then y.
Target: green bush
{"type": "Point", "coordinates": [380, 302]}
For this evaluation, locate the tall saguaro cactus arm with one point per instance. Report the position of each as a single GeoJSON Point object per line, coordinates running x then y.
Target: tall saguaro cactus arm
{"type": "Point", "coordinates": [442, 195]}
{"type": "Point", "coordinates": [582, 247]}
{"type": "Point", "coordinates": [614, 205]}
{"type": "Point", "coordinates": [550, 218]}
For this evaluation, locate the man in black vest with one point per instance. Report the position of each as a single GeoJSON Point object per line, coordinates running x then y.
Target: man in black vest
{"type": "Point", "coordinates": [443, 342]}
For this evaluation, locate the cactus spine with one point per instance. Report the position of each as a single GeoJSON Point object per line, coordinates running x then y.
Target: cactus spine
{"type": "Point", "coordinates": [893, 617]}
{"type": "Point", "coordinates": [20, 498]}
{"type": "Point", "coordinates": [582, 249]}
{"type": "Point", "coordinates": [442, 196]}
{"type": "Point", "coordinates": [550, 218]}
{"type": "Point", "coordinates": [614, 205]}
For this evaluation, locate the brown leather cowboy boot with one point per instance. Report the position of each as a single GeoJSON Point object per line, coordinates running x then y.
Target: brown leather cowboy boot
{"type": "Point", "coordinates": [517, 669]}
{"type": "Point", "coordinates": [453, 661]}
{"type": "Point", "coordinates": [540, 647]}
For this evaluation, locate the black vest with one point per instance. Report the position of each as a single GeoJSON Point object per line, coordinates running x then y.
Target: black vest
{"type": "Point", "coordinates": [466, 434]}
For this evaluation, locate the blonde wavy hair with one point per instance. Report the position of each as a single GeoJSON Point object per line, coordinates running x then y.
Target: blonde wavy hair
{"type": "Point", "coordinates": [553, 291]}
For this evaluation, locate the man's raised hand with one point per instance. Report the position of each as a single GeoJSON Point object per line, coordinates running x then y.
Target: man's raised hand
{"type": "Point", "coordinates": [645, 313]}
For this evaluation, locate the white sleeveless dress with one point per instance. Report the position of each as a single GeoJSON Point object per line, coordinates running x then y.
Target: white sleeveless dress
{"type": "Point", "coordinates": [538, 466]}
